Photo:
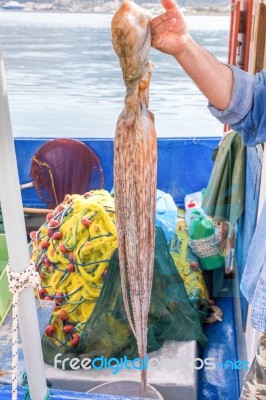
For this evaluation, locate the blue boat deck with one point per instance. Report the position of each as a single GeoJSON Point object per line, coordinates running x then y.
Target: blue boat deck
{"type": "Point", "coordinates": [222, 382]}
{"type": "Point", "coordinates": [5, 394]}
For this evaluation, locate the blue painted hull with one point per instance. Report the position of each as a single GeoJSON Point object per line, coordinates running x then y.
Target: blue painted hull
{"type": "Point", "coordinates": [184, 164]}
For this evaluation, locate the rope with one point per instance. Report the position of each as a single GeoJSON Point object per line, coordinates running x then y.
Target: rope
{"type": "Point", "coordinates": [19, 281]}
{"type": "Point", "coordinates": [206, 247]}
{"type": "Point", "coordinates": [51, 176]}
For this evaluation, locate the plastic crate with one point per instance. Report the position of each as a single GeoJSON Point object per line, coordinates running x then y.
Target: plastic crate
{"type": "Point", "coordinates": [5, 295]}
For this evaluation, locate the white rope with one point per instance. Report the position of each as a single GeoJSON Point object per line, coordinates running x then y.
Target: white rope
{"type": "Point", "coordinates": [19, 281]}
{"type": "Point", "coordinates": [206, 247]}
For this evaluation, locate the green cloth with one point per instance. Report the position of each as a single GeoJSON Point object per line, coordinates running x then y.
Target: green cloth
{"type": "Point", "coordinates": [171, 317]}
{"type": "Point", "coordinates": [224, 198]}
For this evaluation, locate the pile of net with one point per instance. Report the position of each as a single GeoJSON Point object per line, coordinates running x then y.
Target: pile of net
{"type": "Point", "coordinates": [75, 252]}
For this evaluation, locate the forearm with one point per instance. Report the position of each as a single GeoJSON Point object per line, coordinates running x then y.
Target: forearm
{"type": "Point", "coordinates": [214, 79]}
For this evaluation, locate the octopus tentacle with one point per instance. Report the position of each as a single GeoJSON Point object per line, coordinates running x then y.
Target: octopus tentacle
{"type": "Point", "coordinates": [135, 170]}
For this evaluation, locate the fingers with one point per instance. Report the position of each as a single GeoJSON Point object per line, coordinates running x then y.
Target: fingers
{"type": "Point", "coordinates": [172, 10]}
{"type": "Point", "coordinates": [162, 19]}
{"type": "Point", "coordinates": [170, 5]}
{"type": "Point", "coordinates": [159, 29]}
{"type": "Point", "coordinates": [157, 41]}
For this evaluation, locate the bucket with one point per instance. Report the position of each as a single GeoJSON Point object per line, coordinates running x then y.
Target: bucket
{"type": "Point", "coordinates": [127, 389]}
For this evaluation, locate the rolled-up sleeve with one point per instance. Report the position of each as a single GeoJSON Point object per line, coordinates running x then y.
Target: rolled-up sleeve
{"type": "Point", "coordinates": [246, 112]}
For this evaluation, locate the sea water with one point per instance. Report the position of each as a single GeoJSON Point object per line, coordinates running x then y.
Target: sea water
{"type": "Point", "coordinates": [64, 78]}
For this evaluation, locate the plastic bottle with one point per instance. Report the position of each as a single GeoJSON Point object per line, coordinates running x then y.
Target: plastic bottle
{"type": "Point", "coordinates": [201, 227]}
{"type": "Point", "coordinates": [191, 207]}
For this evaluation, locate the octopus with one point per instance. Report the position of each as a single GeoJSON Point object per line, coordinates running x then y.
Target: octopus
{"type": "Point", "coordinates": [135, 170]}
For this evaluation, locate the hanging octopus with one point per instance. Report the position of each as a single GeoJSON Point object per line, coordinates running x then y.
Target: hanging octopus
{"type": "Point", "coordinates": [135, 169]}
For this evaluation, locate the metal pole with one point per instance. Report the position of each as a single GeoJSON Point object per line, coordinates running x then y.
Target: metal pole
{"type": "Point", "coordinates": [15, 230]}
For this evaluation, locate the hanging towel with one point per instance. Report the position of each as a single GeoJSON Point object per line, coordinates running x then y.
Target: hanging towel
{"type": "Point", "coordinates": [224, 198]}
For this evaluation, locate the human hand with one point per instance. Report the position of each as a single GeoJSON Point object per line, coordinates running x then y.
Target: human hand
{"type": "Point", "coordinates": [169, 31]}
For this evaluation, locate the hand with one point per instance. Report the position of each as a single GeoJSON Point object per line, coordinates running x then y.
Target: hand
{"type": "Point", "coordinates": [169, 31]}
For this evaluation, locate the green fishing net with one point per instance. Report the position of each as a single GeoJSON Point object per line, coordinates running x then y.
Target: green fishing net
{"type": "Point", "coordinates": [107, 332]}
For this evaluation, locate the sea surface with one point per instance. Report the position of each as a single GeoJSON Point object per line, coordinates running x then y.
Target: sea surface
{"type": "Point", "coordinates": [64, 78]}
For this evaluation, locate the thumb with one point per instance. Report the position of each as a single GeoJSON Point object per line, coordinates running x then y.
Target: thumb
{"type": "Point", "coordinates": [170, 5]}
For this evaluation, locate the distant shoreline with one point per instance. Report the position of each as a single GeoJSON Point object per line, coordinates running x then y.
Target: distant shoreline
{"type": "Point", "coordinates": [102, 12]}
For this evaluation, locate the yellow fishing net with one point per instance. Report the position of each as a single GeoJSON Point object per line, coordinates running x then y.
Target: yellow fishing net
{"type": "Point", "coordinates": [186, 264]}
{"type": "Point", "coordinates": [72, 251]}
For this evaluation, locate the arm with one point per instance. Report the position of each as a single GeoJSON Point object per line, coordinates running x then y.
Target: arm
{"type": "Point", "coordinates": [236, 97]}
{"type": "Point", "coordinates": [214, 79]}
{"type": "Point", "coordinates": [170, 35]}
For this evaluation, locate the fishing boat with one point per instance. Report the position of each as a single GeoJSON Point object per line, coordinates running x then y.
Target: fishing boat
{"type": "Point", "coordinates": [13, 6]}
{"type": "Point", "coordinates": [184, 167]}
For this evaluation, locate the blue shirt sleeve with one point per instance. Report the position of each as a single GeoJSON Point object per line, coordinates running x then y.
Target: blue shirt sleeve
{"type": "Point", "coordinates": [246, 112]}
